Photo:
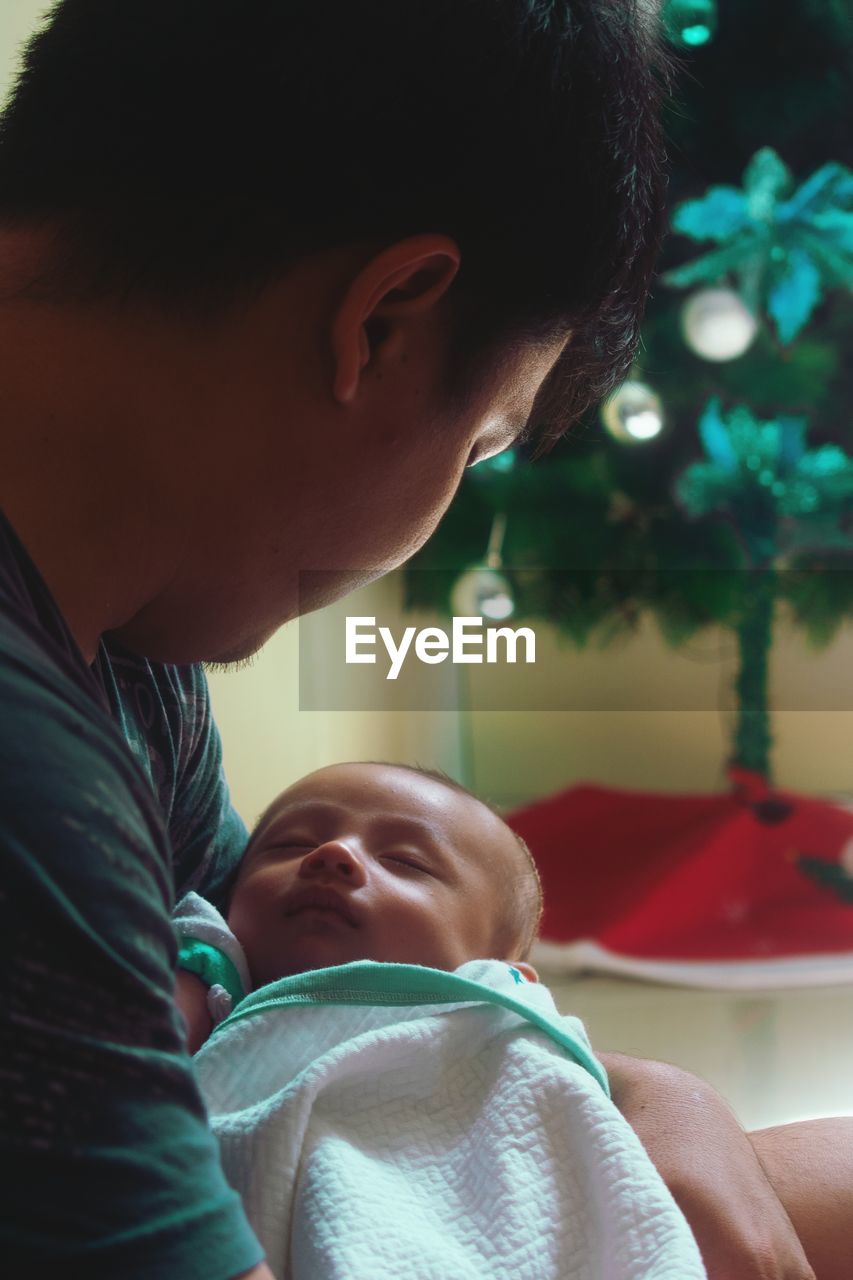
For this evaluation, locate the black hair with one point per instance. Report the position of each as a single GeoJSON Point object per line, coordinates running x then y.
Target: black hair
{"type": "Point", "coordinates": [188, 151]}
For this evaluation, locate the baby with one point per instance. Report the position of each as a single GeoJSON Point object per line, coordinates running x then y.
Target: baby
{"type": "Point", "coordinates": [395, 1093]}
{"type": "Point", "coordinates": [366, 862]}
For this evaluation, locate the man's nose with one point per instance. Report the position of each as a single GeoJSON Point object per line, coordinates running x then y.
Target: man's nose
{"type": "Point", "coordinates": [334, 858]}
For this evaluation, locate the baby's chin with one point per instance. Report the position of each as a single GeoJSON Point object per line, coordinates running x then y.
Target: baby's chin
{"type": "Point", "coordinates": [311, 959]}
{"type": "Point", "coordinates": [316, 952]}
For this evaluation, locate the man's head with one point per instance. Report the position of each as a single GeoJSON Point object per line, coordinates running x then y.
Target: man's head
{"type": "Point", "coordinates": [338, 245]}
{"type": "Point", "coordinates": [382, 862]}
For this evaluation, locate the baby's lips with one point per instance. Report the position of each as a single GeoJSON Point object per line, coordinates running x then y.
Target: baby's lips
{"type": "Point", "coordinates": [320, 899]}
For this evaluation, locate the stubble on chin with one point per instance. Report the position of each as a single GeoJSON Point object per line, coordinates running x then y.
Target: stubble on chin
{"type": "Point", "coordinates": [238, 661]}
{"type": "Point", "coordinates": [240, 657]}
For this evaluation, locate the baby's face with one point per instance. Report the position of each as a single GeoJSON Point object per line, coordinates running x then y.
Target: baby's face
{"type": "Point", "coordinates": [371, 862]}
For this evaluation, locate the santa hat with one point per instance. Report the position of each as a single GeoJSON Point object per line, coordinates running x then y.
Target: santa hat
{"type": "Point", "coordinates": [750, 888]}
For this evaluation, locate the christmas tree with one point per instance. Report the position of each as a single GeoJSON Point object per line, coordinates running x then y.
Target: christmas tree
{"type": "Point", "coordinates": [715, 488]}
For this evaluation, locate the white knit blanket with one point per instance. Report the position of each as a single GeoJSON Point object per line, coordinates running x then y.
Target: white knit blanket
{"type": "Point", "coordinates": [390, 1121]}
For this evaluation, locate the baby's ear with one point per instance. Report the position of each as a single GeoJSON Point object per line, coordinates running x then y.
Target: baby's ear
{"type": "Point", "coordinates": [527, 969]}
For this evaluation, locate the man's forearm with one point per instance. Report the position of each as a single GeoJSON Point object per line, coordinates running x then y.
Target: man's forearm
{"type": "Point", "coordinates": [810, 1167]}
{"type": "Point", "coordinates": [809, 1164]}
{"type": "Point", "coordinates": [661, 1103]}
{"type": "Point", "coordinates": [712, 1169]}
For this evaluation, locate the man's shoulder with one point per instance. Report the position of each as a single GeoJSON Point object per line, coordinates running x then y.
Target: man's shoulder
{"type": "Point", "coordinates": [155, 700]}
{"type": "Point", "coordinates": [165, 715]}
{"type": "Point", "coordinates": [150, 722]}
{"type": "Point", "coordinates": [67, 780]}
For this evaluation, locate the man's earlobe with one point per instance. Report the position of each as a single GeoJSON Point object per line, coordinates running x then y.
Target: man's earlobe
{"type": "Point", "coordinates": [350, 358]}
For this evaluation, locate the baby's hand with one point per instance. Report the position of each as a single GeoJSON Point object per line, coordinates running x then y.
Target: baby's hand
{"type": "Point", "coordinates": [191, 999]}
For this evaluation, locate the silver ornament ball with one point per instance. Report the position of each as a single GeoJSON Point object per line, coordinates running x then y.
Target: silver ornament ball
{"type": "Point", "coordinates": [717, 324]}
{"type": "Point", "coordinates": [634, 413]}
{"type": "Point", "coordinates": [483, 593]}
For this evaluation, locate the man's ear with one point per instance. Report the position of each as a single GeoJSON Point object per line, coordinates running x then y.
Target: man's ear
{"type": "Point", "coordinates": [404, 281]}
{"type": "Point", "coordinates": [527, 969]}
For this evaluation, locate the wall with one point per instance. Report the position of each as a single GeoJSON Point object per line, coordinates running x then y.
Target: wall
{"type": "Point", "coordinates": [512, 756]}
{"type": "Point", "coordinates": [268, 742]}
{"type": "Point", "coordinates": [18, 18]}
{"type": "Point", "coordinates": [517, 756]}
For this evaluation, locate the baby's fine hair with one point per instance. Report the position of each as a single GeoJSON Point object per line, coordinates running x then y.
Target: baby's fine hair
{"type": "Point", "coordinates": [524, 902]}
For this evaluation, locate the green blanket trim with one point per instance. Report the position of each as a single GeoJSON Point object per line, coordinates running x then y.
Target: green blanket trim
{"type": "Point", "coordinates": [366, 982]}
{"type": "Point", "coordinates": [211, 965]}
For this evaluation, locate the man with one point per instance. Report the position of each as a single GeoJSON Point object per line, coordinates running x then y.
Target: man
{"type": "Point", "coordinates": [272, 273]}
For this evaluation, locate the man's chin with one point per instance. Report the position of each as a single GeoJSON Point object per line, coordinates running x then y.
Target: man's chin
{"type": "Point", "coordinates": [318, 588]}
{"type": "Point", "coordinates": [241, 654]}
{"type": "Point", "coordinates": [238, 660]}
{"type": "Point", "coordinates": [183, 646]}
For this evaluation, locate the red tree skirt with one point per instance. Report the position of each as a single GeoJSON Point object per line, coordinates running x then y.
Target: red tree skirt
{"type": "Point", "coordinates": [749, 889]}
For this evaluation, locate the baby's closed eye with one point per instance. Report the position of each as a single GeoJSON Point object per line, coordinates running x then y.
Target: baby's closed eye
{"type": "Point", "coordinates": [289, 846]}
{"type": "Point", "coordinates": [404, 860]}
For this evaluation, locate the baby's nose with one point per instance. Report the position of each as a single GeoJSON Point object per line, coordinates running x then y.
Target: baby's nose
{"type": "Point", "coordinates": [334, 856]}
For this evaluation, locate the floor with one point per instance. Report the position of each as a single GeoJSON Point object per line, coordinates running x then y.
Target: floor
{"type": "Point", "coordinates": [776, 1056]}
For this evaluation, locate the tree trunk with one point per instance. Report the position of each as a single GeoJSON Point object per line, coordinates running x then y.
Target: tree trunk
{"type": "Point", "coordinates": [753, 739]}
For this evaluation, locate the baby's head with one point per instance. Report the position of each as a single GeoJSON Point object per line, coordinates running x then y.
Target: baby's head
{"type": "Point", "coordinates": [382, 862]}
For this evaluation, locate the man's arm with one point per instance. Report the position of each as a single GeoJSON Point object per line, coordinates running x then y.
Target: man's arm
{"type": "Point", "coordinates": [810, 1166]}
{"type": "Point", "coordinates": [712, 1170]}
{"type": "Point", "coordinates": [116, 1171]}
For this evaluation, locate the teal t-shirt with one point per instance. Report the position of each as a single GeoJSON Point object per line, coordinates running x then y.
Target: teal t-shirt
{"type": "Point", "coordinates": [112, 803]}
